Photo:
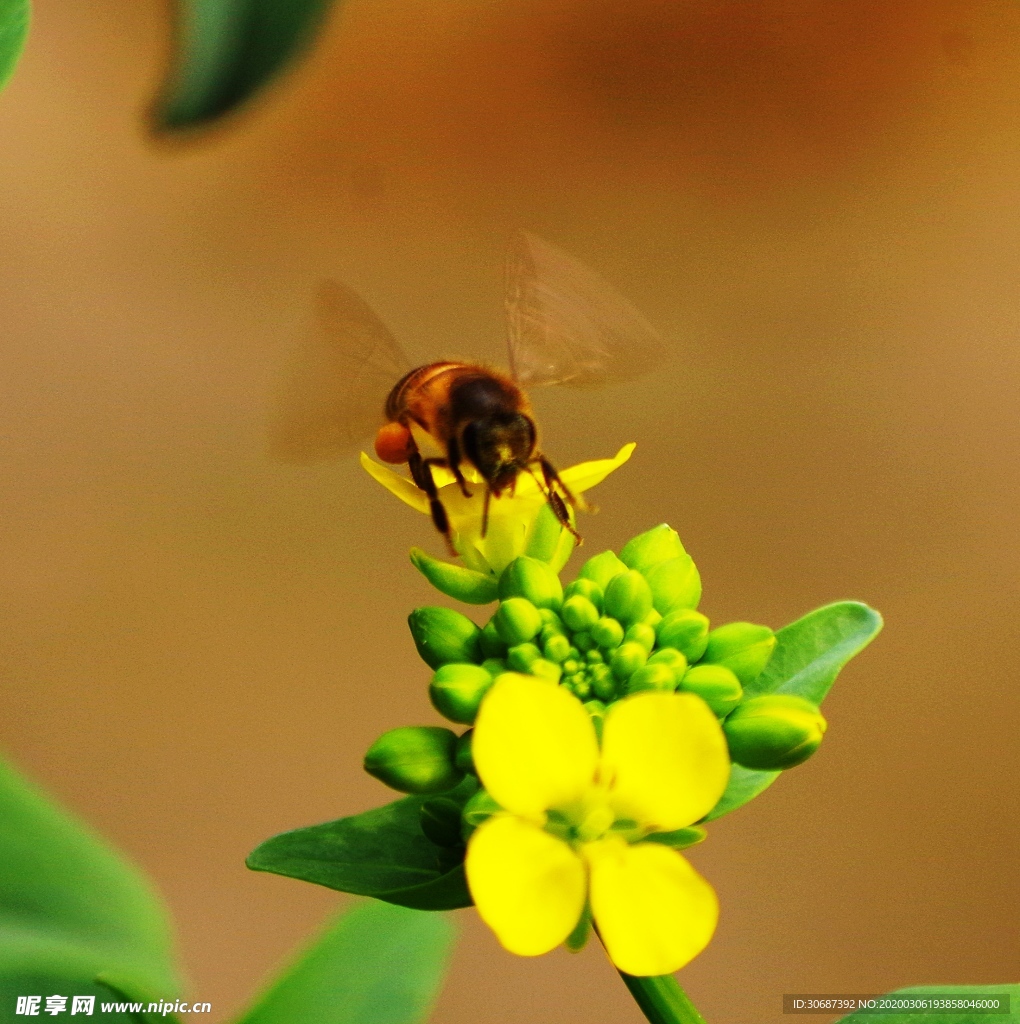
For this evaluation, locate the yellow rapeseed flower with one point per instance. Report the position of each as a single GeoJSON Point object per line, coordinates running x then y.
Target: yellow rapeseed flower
{"type": "Point", "coordinates": [574, 817]}
{"type": "Point", "coordinates": [513, 519]}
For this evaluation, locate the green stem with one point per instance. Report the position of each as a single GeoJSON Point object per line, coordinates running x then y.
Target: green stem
{"type": "Point", "coordinates": [662, 1000]}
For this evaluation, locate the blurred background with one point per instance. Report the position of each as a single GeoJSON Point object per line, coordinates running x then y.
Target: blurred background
{"type": "Point", "coordinates": [817, 205]}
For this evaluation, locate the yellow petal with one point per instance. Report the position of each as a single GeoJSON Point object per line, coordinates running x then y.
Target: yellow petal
{"type": "Point", "coordinates": [664, 758]}
{"type": "Point", "coordinates": [584, 475]}
{"type": "Point", "coordinates": [406, 490]}
{"type": "Point", "coordinates": [534, 746]}
{"type": "Point", "coordinates": [529, 887]}
{"type": "Point", "coordinates": [654, 911]}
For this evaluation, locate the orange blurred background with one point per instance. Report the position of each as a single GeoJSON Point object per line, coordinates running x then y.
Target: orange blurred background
{"type": "Point", "coordinates": [817, 204]}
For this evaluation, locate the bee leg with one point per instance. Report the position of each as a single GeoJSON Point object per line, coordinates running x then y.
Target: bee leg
{"type": "Point", "coordinates": [453, 462]}
{"type": "Point", "coordinates": [553, 486]}
{"type": "Point", "coordinates": [421, 473]}
{"type": "Point", "coordinates": [485, 511]}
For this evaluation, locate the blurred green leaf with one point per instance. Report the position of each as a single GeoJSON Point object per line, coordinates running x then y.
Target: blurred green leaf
{"type": "Point", "coordinates": [808, 656]}
{"type": "Point", "coordinates": [227, 50]}
{"type": "Point", "coordinates": [14, 16]}
{"type": "Point", "coordinates": [945, 1017]}
{"type": "Point", "coordinates": [71, 909]}
{"type": "Point", "coordinates": [377, 964]}
{"type": "Point", "coordinates": [382, 853]}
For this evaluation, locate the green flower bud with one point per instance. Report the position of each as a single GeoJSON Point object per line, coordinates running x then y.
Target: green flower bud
{"type": "Point", "coordinates": [579, 613]}
{"type": "Point", "coordinates": [570, 666]}
{"type": "Point", "coordinates": [716, 685]}
{"type": "Point", "coordinates": [603, 683]}
{"type": "Point", "coordinates": [594, 656]}
{"type": "Point", "coordinates": [675, 584]}
{"type": "Point", "coordinates": [602, 568]}
{"type": "Point", "coordinates": [478, 809]}
{"type": "Point", "coordinates": [440, 821]}
{"type": "Point", "coordinates": [742, 647]}
{"type": "Point", "coordinates": [588, 589]}
{"type": "Point", "coordinates": [463, 759]}
{"type": "Point", "coordinates": [581, 688]}
{"type": "Point", "coordinates": [671, 657]}
{"type": "Point", "coordinates": [455, 581]}
{"type": "Point", "coordinates": [443, 636]}
{"type": "Point", "coordinates": [520, 657]}
{"type": "Point", "coordinates": [628, 597]}
{"type": "Point", "coordinates": [517, 620]}
{"type": "Point", "coordinates": [545, 670]}
{"type": "Point", "coordinates": [627, 659]}
{"type": "Point", "coordinates": [607, 633]}
{"type": "Point", "coordinates": [532, 579]}
{"type": "Point", "coordinates": [653, 618]}
{"type": "Point", "coordinates": [687, 631]}
{"type": "Point", "coordinates": [659, 544]}
{"type": "Point", "coordinates": [415, 759]}
{"type": "Point", "coordinates": [641, 634]}
{"type": "Point", "coordinates": [652, 677]}
{"type": "Point", "coordinates": [456, 691]}
{"type": "Point", "coordinates": [490, 643]}
{"type": "Point", "coordinates": [584, 641]}
{"type": "Point", "coordinates": [550, 620]}
{"type": "Point", "coordinates": [494, 666]}
{"type": "Point", "coordinates": [773, 732]}
{"type": "Point", "coordinates": [556, 648]}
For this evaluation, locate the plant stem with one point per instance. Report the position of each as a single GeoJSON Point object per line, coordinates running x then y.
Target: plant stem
{"type": "Point", "coordinates": [662, 1000]}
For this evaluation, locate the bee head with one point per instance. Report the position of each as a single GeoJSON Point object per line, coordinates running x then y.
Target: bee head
{"type": "Point", "coordinates": [500, 446]}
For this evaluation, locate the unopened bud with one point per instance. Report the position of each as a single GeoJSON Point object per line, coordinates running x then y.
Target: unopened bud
{"type": "Point", "coordinates": [544, 669]}
{"type": "Point", "coordinates": [685, 630]}
{"type": "Point", "coordinates": [520, 657]}
{"type": "Point", "coordinates": [607, 633]}
{"type": "Point", "coordinates": [603, 683]}
{"type": "Point", "coordinates": [742, 647]}
{"type": "Point", "coordinates": [643, 634]}
{"type": "Point", "coordinates": [516, 621]}
{"type": "Point", "coordinates": [455, 581]}
{"type": "Point", "coordinates": [773, 732]}
{"type": "Point", "coordinates": [556, 648]}
{"type": "Point", "coordinates": [588, 589]}
{"type": "Point", "coordinates": [443, 636]}
{"type": "Point", "coordinates": [671, 657]}
{"type": "Point", "coordinates": [456, 691]}
{"type": "Point", "coordinates": [494, 666]}
{"type": "Point", "coordinates": [628, 597]}
{"type": "Point", "coordinates": [716, 685]}
{"type": "Point", "coordinates": [652, 677]}
{"type": "Point", "coordinates": [579, 613]}
{"type": "Point", "coordinates": [532, 579]}
{"type": "Point", "coordinates": [658, 544]}
{"type": "Point", "coordinates": [627, 659]}
{"type": "Point", "coordinates": [602, 568]}
{"type": "Point", "coordinates": [675, 584]}
{"type": "Point", "coordinates": [415, 759]}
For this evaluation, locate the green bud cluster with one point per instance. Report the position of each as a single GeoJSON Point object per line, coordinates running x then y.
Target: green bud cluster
{"type": "Point", "coordinates": [629, 623]}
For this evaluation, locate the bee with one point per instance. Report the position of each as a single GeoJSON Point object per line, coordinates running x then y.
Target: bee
{"type": "Point", "coordinates": [565, 325]}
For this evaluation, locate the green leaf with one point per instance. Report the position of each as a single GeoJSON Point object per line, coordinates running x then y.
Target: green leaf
{"type": "Point", "coordinates": [808, 656]}
{"type": "Point", "coordinates": [377, 964]}
{"type": "Point", "coordinates": [227, 50]}
{"type": "Point", "coordinates": [945, 1017]}
{"type": "Point", "coordinates": [71, 909]}
{"type": "Point", "coordinates": [382, 853]}
{"type": "Point", "coordinates": [14, 15]}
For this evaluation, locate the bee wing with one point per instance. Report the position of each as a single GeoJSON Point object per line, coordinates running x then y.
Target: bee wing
{"type": "Point", "coordinates": [567, 325]}
{"type": "Point", "coordinates": [335, 387]}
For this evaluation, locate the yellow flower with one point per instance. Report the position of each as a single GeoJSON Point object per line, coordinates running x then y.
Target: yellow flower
{"type": "Point", "coordinates": [513, 520]}
{"type": "Point", "coordinates": [574, 816]}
